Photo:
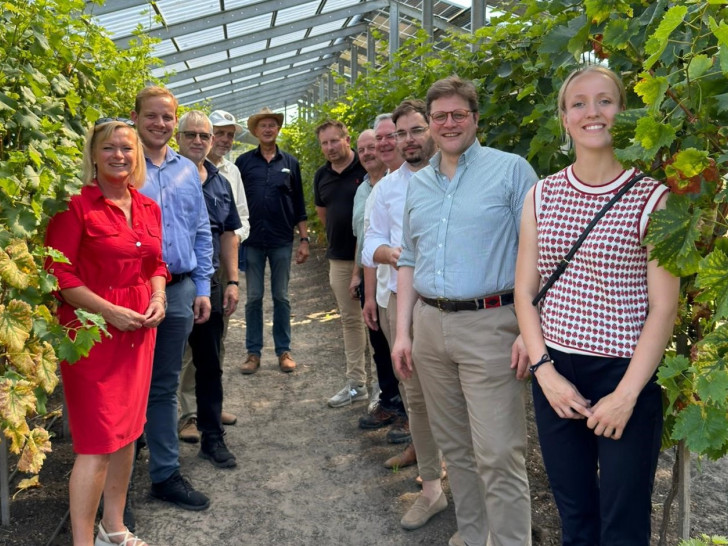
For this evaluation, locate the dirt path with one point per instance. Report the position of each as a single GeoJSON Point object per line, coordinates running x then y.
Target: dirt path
{"type": "Point", "coordinates": [306, 475]}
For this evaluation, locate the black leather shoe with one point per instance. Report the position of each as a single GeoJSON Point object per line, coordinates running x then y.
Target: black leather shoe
{"type": "Point", "coordinates": [213, 449]}
{"type": "Point", "coordinates": [179, 491]}
{"type": "Point", "coordinates": [377, 419]}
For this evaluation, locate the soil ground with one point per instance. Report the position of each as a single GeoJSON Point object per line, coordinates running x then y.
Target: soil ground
{"type": "Point", "coordinates": [306, 474]}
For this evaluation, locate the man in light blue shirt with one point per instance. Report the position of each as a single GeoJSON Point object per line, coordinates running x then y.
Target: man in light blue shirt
{"type": "Point", "coordinates": [174, 183]}
{"type": "Point", "coordinates": [455, 289]}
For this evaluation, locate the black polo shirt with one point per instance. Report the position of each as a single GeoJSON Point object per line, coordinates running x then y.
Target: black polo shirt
{"type": "Point", "coordinates": [220, 207]}
{"type": "Point", "coordinates": [336, 191]}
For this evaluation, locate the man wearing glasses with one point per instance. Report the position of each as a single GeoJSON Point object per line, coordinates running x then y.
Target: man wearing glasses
{"type": "Point", "coordinates": [455, 289]}
{"type": "Point", "coordinates": [174, 183]}
{"type": "Point", "coordinates": [382, 245]}
{"type": "Point", "coordinates": [195, 139]}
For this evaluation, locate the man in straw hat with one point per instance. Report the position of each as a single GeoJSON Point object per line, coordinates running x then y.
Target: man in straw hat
{"type": "Point", "coordinates": [273, 187]}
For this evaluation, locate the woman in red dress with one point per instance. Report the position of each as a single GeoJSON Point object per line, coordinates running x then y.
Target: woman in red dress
{"type": "Point", "coordinates": [111, 234]}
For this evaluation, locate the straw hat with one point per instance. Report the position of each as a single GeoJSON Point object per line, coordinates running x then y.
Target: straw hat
{"type": "Point", "coordinates": [263, 114]}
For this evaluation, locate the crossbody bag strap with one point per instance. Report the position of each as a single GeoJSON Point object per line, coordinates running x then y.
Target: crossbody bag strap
{"type": "Point", "coordinates": [565, 261]}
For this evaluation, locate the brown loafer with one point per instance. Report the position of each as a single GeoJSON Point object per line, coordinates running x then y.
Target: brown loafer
{"type": "Point", "coordinates": [187, 430]}
{"type": "Point", "coordinates": [286, 363]}
{"type": "Point", "coordinates": [407, 458]}
{"type": "Point", "coordinates": [251, 364]}
{"type": "Point", "coordinates": [228, 418]}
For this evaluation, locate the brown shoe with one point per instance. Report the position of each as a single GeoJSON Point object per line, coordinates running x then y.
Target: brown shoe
{"type": "Point", "coordinates": [407, 458]}
{"type": "Point", "coordinates": [228, 418]}
{"type": "Point", "coordinates": [251, 364]}
{"type": "Point", "coordinates": [378, 419]}
{"type": "Point", "coordinates": [421, 511]}
{"type": "Point", "coordinates": [188, 430]}
{"type": "Point", "coordinates": [399, 433]}
{"type": "Point", "coordinates": [286, 363]}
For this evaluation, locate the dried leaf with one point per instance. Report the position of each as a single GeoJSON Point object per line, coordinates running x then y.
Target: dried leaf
{"type": "Point", "coordinates": [15, 324]}
{"type": "Point", "coordinates": [27, 483]}
{"type": "Point", "coordinates": [37, 445]}
{"type": "Point", "coordinates": [16, 401]}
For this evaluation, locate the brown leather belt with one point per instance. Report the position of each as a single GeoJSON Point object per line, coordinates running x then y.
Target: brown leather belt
{"type": "Point", "coordinates": [486, 302]}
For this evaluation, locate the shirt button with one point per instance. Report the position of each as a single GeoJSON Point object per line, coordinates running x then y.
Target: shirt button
{"type": "Point", "coordinates": [439, 246]}
{"type": "Point", "coordinates": [138, 243]}
{"type": "Point", "coordinates": [444, 220]}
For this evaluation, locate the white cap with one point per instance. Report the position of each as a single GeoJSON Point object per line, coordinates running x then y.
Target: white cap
{"type": "Point", "coordinates": [220, 118]}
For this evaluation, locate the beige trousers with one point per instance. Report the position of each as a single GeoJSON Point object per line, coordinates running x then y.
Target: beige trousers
{"type": "Point", "coordinates": [428, 455]}
{"type": "Point", "coordinates": [478, 416]}
{"type": "Point", "coordinates": [352, 322]}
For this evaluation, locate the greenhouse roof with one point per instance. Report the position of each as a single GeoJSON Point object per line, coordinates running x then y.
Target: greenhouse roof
{"type": "Point", "coordinates": [242, 55]}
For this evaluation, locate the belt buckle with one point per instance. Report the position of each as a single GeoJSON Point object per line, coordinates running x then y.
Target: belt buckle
{"type": "Point", "coordinates": [440, 308]}
{"type": "Point", "coordinates": [491, 302]}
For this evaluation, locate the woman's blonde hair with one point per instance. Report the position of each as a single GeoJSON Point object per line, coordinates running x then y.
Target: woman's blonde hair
{"type": "Point", "coordinates": [592, 68]}
{"type": "Point", "coordinates": [101, 132]}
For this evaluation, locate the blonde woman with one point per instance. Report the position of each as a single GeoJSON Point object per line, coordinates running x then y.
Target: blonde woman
{"type": "Point", "coordinates": [111, 235]}
{"type": "Point", "coordinates": [598, 335]}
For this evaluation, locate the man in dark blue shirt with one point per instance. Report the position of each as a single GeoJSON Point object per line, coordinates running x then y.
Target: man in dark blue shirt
{"type": "Point", "coordinates": [194, 136]}
{"type": "Point", "coordinates": [273, 187]}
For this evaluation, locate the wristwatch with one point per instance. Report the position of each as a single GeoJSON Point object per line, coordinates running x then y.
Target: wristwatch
{"type": "Point", "coordinates": [305, 239]}
{"type": "Point", "coordinates": [236, 283]}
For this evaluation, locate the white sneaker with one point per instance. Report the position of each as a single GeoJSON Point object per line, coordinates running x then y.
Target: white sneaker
{"type": "Point", "coordinates": [350, 393]}
{"type": "Point", "coordinates": [374, 398]}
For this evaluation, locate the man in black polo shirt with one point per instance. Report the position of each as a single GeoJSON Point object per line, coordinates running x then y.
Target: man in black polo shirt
{"type": "Point", "coordinates": [272, 181]}
{"type": "Point", "coordinates": [334, 186]}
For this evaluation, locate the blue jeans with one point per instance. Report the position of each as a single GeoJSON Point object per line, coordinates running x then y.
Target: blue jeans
{"type": "Point", "coordinates": [161, 427]}
{"type": "Point", "coordinates": [280, 271]}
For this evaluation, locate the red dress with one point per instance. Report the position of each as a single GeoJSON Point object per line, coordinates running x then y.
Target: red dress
{"type": "Point", "coordinates": [106, 392]}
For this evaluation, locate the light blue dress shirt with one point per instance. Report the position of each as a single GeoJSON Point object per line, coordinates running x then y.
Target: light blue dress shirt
{"type": "Point", "coordinates": [461, 235]}
{"type": "Point", "coordinates": [186, 238]}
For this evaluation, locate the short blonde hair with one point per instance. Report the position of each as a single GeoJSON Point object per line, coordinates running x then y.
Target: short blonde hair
{"type": "Point", "coordinates": [154, 91]}
{"type": "Point", "coordinates": [101, 133]}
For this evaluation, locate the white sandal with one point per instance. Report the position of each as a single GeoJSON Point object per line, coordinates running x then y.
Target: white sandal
{"type": "Point", "coordinates": [128, 538]}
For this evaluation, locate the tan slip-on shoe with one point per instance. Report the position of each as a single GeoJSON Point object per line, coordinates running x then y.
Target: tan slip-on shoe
{"type": "Point", "coordinates": [456, 540]}
{"type": "Point", "coordinates": [228, 418]}
{"type": "Point", "coordinates": [251, 364]}
{"type": "Point", "coordinates": [421, 511]}
{"type": "Point", "coordinates": [286, 363]}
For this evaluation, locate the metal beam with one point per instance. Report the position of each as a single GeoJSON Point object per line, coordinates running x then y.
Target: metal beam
{"type": "Point", "coordinates": [111, 6]}
{"type": "Point", "coordinates": [267, 53]}
{"type": "Point", "coordinates": [219, 18]}
{"type": "Point", "coordinates": [438, 21]}
{"type": "Point", "coordinates": [268, 33]}
{"type": "Point", "coordinates": [477, 14]}
{"type": "Point", "coordinates": [255, 70]}
{"type": "Point", "coordinates": [354, 62]}
{"type": "Point", "coordinates": [276, 79]}
{"type": "Point", "coordinates": [393, 29]}
{"type": "Point", "coordinates": [427, 18]}
{"type": "Point", "coordinates": [241, 100]}
{"type": "Point", "coordinates": [244, 108]}
{"type": "Point", "coordinates": [271, 83]}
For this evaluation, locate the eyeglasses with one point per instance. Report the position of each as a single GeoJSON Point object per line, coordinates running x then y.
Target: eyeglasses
{"type": "Point", "coordinates": [191, 135]}
{"type": "Point", "coordinates": [101, 121]}
{"type": "Point", "coordinates": [415, 132]}
{"type": "Point", "coordinates": [458, 116]}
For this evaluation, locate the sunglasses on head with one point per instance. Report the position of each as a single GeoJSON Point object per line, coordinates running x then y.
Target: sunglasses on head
{"type": "Point", "coordinates": [101, 121]}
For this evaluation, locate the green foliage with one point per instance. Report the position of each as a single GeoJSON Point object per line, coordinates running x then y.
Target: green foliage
{"type": "Point", "coordinates": [673, 57]}
{"type": "Point", "coordinates": [59, 72]}
{"type": "Point", "coordinates": [704, 540]}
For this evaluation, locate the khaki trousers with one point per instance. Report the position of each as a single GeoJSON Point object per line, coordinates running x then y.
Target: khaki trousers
{"type": "Point", "coordinates": [352, 322]}
{"type": "Point", "coordinates": [478, 416]}
{"type": "Point", "coordinates": [429, 461]}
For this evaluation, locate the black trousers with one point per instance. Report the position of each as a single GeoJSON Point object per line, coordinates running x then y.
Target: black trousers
{"type": "Point", "coordinates": [389, 398]}
{"type": "Point", "coordinates": [602, 487]}
{"type": "Point", "coordinates": [205, 342]}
